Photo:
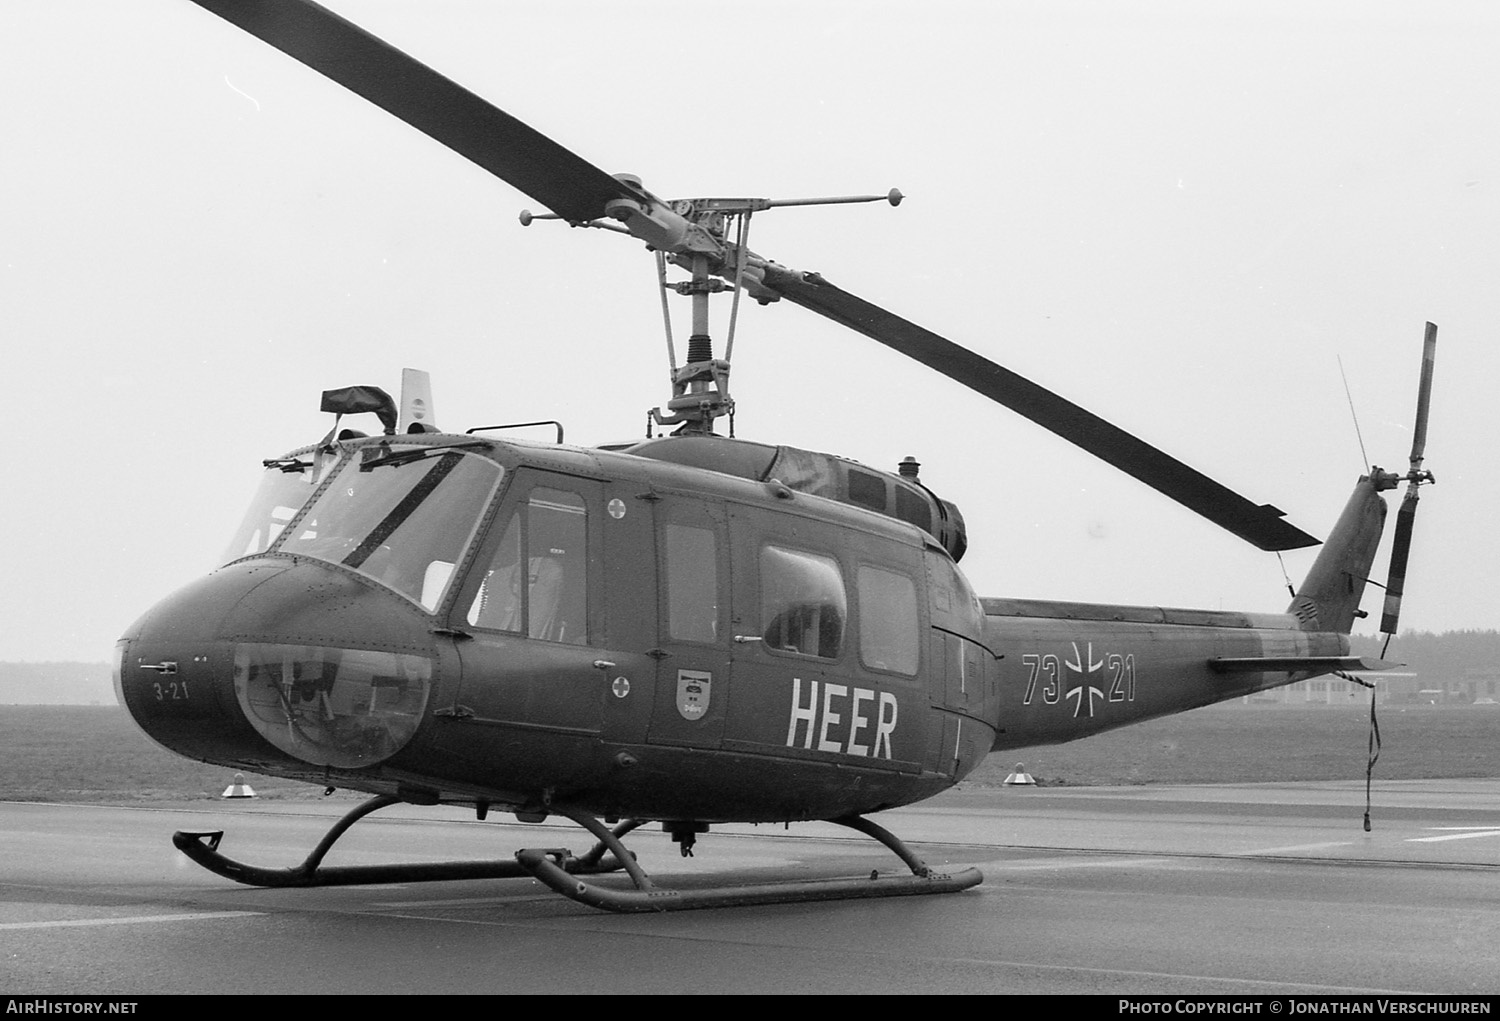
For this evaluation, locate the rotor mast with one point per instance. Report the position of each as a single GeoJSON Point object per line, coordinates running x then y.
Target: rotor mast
{"type": "Point", "coordinates": [700, 386]}
{"type": "Point", "coordinates": [708, 237]}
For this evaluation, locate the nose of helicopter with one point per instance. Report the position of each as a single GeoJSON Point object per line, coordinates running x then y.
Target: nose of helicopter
{"type": "Point", "coordinates": [276, 664]}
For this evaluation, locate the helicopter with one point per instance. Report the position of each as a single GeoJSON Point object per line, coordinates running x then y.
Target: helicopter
{"type": "Point", "coordinates": [689, 629]}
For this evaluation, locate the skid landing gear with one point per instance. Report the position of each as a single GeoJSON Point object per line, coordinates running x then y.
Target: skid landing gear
{"type": "Point", "coordinates": [559, 869]}
{"type": "Point", "coordinates": [551, 867]}
{"type": "Point", "coordinates": [203, 848]}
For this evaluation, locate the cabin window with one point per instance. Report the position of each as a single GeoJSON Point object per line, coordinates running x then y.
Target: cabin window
{"type": "Point", "coordinates": [867, 490]}
{"type": "Point", "coordinates": [692, 583]}
{"type": "Point", "coordinates": [912, 506]}
{"type": "Point", "coordinates": [889, 631]}
{"type": "Point", "coordinates": [802, 602]}
{"type": "Point", "coordinates": [543, 593]}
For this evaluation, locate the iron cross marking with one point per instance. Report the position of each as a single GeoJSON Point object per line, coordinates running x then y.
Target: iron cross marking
{"type": "Point", "coordinates": [1086, 669]}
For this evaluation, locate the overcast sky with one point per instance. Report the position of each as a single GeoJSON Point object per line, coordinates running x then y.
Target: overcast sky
{"type": "Point", "coordinates": [1180, 215]}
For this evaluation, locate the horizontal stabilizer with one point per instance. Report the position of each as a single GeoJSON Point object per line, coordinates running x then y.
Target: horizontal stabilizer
{"type": "Point", "coordinates": [1297, 664]}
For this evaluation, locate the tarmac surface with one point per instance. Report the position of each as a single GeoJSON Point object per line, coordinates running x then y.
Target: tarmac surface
{"type": "Point", "coordinates": [1271, 890]}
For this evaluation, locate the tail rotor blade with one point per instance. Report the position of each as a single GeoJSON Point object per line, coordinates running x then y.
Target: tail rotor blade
{"type": "Point", "coordinates": [1406, 517]}
{"type": "Point", "coordinates": [1424, 397]}
{"type": "Point", "coordinates": [1400, 551]}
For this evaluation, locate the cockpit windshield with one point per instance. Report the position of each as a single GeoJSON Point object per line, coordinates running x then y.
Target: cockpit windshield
{"type": "Point", "coordinates": [403, 522]}
{"type": "Point", "coordinates": [287, 484]}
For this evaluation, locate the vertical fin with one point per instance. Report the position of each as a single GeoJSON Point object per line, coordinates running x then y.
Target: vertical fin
{"type": "Point", "coordinates": [1329, 597]}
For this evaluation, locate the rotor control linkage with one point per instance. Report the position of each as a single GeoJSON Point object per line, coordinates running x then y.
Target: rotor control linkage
{"type": "Point", "coordinates": [203, 848]}
{"type": "Point", "coordinates": [687, 207]}
{"type": "Point", "coordinates": [550, 866]}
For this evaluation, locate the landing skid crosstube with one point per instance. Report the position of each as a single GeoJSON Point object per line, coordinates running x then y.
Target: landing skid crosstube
{"type": "Point", "coordinates": [559, 869]}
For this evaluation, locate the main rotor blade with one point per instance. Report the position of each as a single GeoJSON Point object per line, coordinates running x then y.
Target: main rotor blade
{"type": "Point", "coordinates": [567, 184]}
{"type": "Point", "coordinates": [1262, 525]}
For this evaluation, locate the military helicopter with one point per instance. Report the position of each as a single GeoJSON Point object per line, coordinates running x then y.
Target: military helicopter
{"type": "Point", "coordinates": [689, 629]}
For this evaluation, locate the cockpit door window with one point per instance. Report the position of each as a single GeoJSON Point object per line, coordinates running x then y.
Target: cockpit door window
{"type": "Point", "coordinates": [543, 594]}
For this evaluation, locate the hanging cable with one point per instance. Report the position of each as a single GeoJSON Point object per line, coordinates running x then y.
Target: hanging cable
{"type": "Point", "coordinates": [1374, 753]}
{"type": "Point", "coordinates": [1374, 746]}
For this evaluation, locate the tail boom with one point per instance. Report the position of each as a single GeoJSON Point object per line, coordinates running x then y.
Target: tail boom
{"type": "Point", "coordinates": [1068, 670]}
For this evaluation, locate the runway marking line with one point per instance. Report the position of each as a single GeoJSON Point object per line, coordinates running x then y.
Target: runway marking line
{"type": "Point", "coordinates": [1325, 845]}
{"type": "Point", "coordinates": [461, 902]}
{"type": "Point", "coordinates": [133, 920]}
{"type": "Point", "coordinates": [1468, 833]}
{"type": "Point", "coordinates": [1046, 864]}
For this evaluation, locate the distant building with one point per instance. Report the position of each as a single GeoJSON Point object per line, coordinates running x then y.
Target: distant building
{"type": "Point", "coordinates": [1392, 687]}
{"type": "Point", "coordinates": [1482, 684]}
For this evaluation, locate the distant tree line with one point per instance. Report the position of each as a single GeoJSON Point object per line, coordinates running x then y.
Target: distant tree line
{"type": "Point", "coordinates": [1449, 655]}
{"type": "Point", "coordinates": [56, 684]}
